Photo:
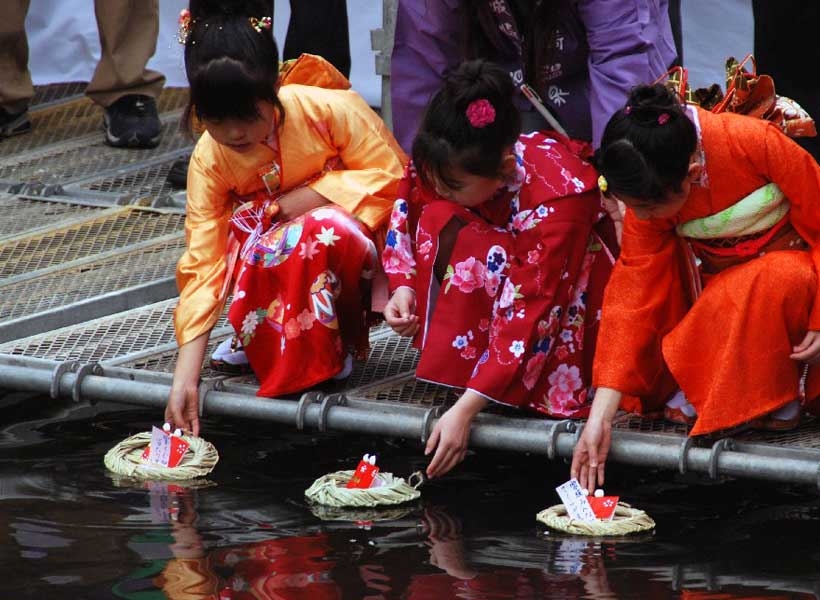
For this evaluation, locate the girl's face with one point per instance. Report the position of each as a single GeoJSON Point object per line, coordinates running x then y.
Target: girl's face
{"type": "Point", "coordinates": [664, 209]}
{"type": "Point", "coordinates": [243, 135]}
{"type": "Point", "coordinates": [474, 189]}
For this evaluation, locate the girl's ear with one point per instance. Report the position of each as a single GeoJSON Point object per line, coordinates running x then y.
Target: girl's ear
{"type": "Point", "coordinates": [695, 170]}
{"type": "Point", "coordinates": [508, 163]}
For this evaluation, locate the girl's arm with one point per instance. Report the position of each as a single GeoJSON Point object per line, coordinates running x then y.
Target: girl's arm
{"type": "Point", "coordinates": [299, 201]}
{"type": "Point", "coordinates": [589, 456]}
{"type": "Point", "coordinates": [452, 432]}
{"type": "Point", "coordinates": [182, 409]}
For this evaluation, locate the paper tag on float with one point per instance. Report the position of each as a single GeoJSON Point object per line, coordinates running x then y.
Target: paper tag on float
{"type": "Point", "coordinates": [604, 506]}
{"type": "Point", "coordinates": [365, 473]}
{"type": "Point", "coordinates": [577, 505]}
{"type": "Point", "coordinates": [165, 450]}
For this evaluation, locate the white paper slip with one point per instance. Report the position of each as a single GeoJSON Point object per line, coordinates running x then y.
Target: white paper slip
{"type": "Point", "coordinates": [575, 502]}
{"type": "Point", "coordinates": [160, 447]}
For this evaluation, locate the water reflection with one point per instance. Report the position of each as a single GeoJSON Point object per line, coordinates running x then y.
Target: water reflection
{"type": "Point", "coordinates": [70, 530]}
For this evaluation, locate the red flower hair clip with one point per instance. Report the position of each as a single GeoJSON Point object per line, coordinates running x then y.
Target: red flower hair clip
{"type": "Point", "coordinates": [185, 23]}
{"type": "Point", "coordinates": [480, 113]}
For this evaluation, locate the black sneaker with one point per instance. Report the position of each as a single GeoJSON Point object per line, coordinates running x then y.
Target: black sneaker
{"type": "Point", "coordinates": [177, 176]}
{"type": "Point", "coordinates": [132, 122]}
{"type": "Point", "coordinates": [14, 123]}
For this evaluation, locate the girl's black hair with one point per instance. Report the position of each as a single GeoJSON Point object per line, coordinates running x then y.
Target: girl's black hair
{"type": "Point", "coordinates": [647, 146]}
{"type": "Point", "coordinates": [446, 140]}
{"type": "Point", "coordinates": [230, 65]}
{"type": "Point", "coordinates": [537, 22]}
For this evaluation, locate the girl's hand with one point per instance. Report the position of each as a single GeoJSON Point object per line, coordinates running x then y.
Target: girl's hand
{"type": "Point", "coordinates": [400, 312]}
{"type": "Point", "coordinates": [589, 456]}
{"type": "Point", "coordinates": [451, 434]}
{"type": "Point", "coordinates": [182, 409]}
{"type": "Point", "coordinates": [809, 349]}
{"type": "Point", "coordinates": [299, 201]}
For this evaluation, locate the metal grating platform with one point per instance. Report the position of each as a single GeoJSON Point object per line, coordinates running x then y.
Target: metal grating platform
{"type": "Point", "coordinates": [21, 215]}
{"type": "Point", "coordinates": [66, 163]}
{"type": "Point", "coordinates": [72, 285]}
{"type": "Point", "coordinates": [46, 95]}
{"type": "Point", "coordinates": [123, 227]}
{"type": "Point", "coordinates": [147, 182]}
{"type": "Point", "coordinates": [102, 339]}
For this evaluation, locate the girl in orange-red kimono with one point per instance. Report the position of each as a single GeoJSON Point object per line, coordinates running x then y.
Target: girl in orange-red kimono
{"type": "Point", "coordinates": [314, 173]}
{"type": "Point", "coordinates": [714, 295]}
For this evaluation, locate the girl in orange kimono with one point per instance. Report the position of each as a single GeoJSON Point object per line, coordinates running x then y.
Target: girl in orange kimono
{"type": "Point", "coordinates": [315, 173]}
{"type": "Point", "coordinates": [730, 202]}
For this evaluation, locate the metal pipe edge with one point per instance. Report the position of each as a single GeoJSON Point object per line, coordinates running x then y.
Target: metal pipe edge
{"type": "Point", "coordinates": [554, 439]}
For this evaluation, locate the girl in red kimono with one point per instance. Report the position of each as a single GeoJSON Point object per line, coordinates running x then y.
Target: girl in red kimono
{"type": "Point", "coordinates": [497, 255]}
{"type": "Point", "coordinates": [729, 202]}
{"type": "Point", "coordinates": [315, 172]}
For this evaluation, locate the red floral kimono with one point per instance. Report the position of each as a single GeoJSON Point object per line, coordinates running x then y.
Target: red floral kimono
{"type": "Point", "coordinates": [516, 314]}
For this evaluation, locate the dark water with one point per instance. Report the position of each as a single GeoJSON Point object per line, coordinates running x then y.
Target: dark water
{"type": "Point", "coordinates": [68, 530]}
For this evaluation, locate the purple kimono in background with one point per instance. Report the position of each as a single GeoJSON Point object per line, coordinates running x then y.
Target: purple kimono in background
{"type": "Point", "coordinates": [604, 48]}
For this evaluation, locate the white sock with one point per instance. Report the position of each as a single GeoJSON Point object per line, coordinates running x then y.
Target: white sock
{"type": "Point", "coordinates": [224, 353]}
{"type": "Point", "coordinates": [679, 401]}
{"type": "Point", "coordinates": [347, 369]}
{"type": "Point", "coordinates": [789, 411]}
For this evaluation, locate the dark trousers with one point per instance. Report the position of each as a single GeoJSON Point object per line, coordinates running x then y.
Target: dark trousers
{"type": "Point", "coordinates": [786, 48]}
{"type": "Point", "coordinates": [319, 27]}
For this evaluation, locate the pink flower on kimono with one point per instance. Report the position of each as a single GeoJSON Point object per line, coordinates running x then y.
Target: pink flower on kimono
{"type": "Point", "coordinates": [398, 258]}
{"type": "Point", "coordinates": [305, 319]}
{"type": "Point", "coordinates": [468, 275]}
{"type": "Point", "coordinates": [308, 249]}
{"type": "Point", "coordinates": [561, 352]}
{"type": "Point", "coordinates": [564, 381]}
{"type": "Point", "coordinates": [399, 214]}
{"type": "Point", "coordinates": [424, 248]}
{"type": "Point", "coordinates": [292, 329]}
{"type": "Point", "coordinates": [533, 370]}
{"type": "Point", "coordinates": [508, 294]}
{"type": "Point", "coordinates": [533, 256]}
{"type": "Point", "coordinates": [484, 324]}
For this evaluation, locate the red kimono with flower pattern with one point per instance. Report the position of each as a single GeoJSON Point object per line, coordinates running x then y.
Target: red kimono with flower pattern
{"type": "Point", "coordinates": [516, 314]}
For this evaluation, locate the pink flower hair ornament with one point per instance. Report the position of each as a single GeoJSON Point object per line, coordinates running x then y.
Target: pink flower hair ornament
{"type": "Point", "coordinates": [480, 113]}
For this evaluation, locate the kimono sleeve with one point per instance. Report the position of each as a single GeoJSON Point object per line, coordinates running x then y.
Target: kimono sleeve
{"type": "Point", "coordinates": [373, 162]}
{"type": "Point", "coordinates": [398, 255]}
{"type": "Point", "coordinates": [798, 175]}
{"type": "Point", "coordinates": [201, 269]}
{"type": "Point", "coordinates": [644, 300]}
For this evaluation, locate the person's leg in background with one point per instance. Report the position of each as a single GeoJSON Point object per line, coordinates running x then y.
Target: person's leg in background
{"type": "Point", "coordinates": [677, 31]}
{"type": "Point", "coordinates": [16, 89]}
{"type": "Point", "coordinates": [786, 48]}
{"type": "Point", "coordinates": [319, 27]}
{"type": "Point", "coordinates": [122, 84]}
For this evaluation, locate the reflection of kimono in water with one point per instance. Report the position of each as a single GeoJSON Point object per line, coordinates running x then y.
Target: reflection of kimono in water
{"type": "Point", "coordinates": [299, 299]}
{"type": "Point", "coordinates": [516, 315]}
{"type": "Point", "coordinates": [729, 351]}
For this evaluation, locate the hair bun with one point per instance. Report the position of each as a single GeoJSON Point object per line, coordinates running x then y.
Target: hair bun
{"type": "Point", "coordinates": [656, 98]}
{"type": "Point", "coordinates": [476, 79]}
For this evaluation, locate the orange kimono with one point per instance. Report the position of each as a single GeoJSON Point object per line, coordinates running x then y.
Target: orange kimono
{"type": "Point", "coordinates": [728, 349]}
{"type": "Point", "coordinates": [331, 141]}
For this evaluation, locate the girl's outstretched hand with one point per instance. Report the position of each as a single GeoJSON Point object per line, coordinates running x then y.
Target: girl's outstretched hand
{"type": "Point", "coordinates": [400, 312]}
{"type": "Point", "coordinates": [808, 350]}
{"type": "Point", "coordinates": [592, 449]}
{"type": "Point", "coordinates": [182, 409]}
{"type": "Point", "coordinates": [451, 433]}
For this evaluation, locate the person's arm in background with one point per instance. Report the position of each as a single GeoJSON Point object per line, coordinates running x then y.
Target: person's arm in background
{"type": "Point", "coordinates": [630, 43]}
{"type": "Point", "coordinates": [426, 44]}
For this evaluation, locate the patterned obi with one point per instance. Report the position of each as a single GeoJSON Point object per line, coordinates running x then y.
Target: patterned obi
{"type": "Point", "coordinates": [754, 225]}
